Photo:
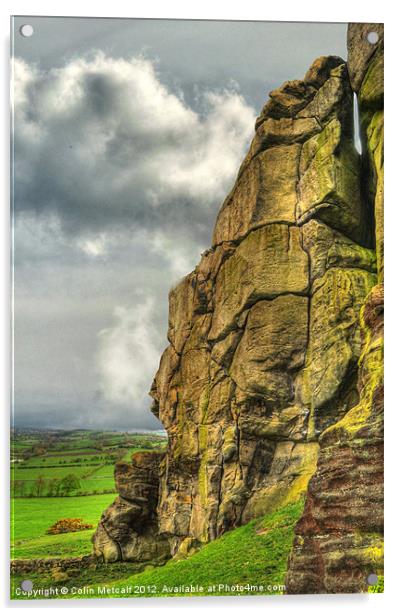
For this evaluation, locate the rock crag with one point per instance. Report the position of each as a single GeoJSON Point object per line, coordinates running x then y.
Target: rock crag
{"type": "Point", "coordinates": [339, 539]}
{"type": "Point", "coordinates": [272, 377]}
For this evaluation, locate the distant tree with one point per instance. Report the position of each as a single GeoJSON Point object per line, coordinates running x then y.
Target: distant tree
{"type": "Point", "coordinates": [52, 486]}
{"type": "Point", "coordinates": [39, 450]}
{"type": "Point", "coordinates": [39, 485]}
{"type": "Point", "coordinates": [68, 484]}
{"type": "Point", "coordinates": [18, 487]}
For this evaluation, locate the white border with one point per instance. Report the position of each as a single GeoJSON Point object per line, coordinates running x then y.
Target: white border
{"type": "Point", "coordinates": [290, 10]}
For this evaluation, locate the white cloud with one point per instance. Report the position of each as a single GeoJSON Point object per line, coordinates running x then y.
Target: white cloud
{"type": "Point", "coordinates": [181, 257]}
{"type": "Point", "coordinates": [94, 246]}
{"type": "Point", "coordinates": [128, 357]}
{"type": "Point", "coordinates": [102, 141]}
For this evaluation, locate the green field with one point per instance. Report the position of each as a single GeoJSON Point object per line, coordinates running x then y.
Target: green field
{"type": "Point", "coordinates": [92, 478]}
{"type": "Point", "coordinates": [255, 555]}
{"type": "Point", "coordinates": [31, 517]}
{"type": "Point", "coordinates": [251, 560]}
{"type": "Point", "coordinates": [42, 461]}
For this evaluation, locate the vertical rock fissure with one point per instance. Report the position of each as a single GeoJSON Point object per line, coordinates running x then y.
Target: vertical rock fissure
{"type": "Point", "coordinates": [356, 124]}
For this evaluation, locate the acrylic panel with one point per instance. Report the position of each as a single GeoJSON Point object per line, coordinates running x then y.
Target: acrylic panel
{"type": "Point", "coordinates": [197, 226]}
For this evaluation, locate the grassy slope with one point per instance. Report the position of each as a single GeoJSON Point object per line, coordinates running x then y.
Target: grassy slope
{"type": "Point", "coordinates": [255, 554]}
{"type": "Point", "coordinates": [31, 517]}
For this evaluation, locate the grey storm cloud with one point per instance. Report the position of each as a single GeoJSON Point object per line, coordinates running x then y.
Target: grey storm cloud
{"type": "Point", "coordinates": [102, 143]}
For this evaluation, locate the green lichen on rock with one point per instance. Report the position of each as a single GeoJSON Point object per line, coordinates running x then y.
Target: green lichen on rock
{"type": "Point", "coordinates": [371, 90]}
{"type": "Point", "coordinates": [292, 467]}
{"type": "Point", "coordinates": [328, 248]}
{"type": "Point", "coordinates": [371, 371]}
{"type": "Point", "coordinates": [329, 186]}
{"type": "Point", "coordinates": [268, 262]}
{"type": "Point", "coordinates": [265, 193]}
{"type": "Point", "coordinates": [335, 340]}
{"type": "Point", "coordinates": [374, 134]}
{"type": "Point", "coordinates": [229, 448]}
{"type": "Point", "coordinates": [341, 530]}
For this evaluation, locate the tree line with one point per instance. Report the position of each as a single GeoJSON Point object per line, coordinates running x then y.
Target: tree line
{"type": "Point", "coordinates": [46, 487]}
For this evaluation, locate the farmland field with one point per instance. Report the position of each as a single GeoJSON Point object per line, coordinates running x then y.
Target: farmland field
{"type": "Point", "coordinates": [71, 463]}
{"type": "Point", "coordinates": [31, 517]}
{"type": "Point", "coordinates": [65, 474]}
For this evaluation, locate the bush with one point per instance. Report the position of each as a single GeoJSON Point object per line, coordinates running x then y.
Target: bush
{"type": "Point", "coordinates": [68, 525]}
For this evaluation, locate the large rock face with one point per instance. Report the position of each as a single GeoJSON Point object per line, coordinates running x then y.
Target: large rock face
{"type": "Point", "coordinates": [339, 539]}
{"type": "Point", "coordinates": [268, 357]}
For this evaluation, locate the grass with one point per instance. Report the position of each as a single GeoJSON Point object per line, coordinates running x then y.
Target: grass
{"type": "Point", "coordinates": [379, 587]}
{"type": "Point", "coordinates": [101, 478]}
{"type": "Point", "coordinates": [59, 461]}
{"type": "Point", "coordinates": [103, 471]}
{"type": "Point", "coordinates": [52, 455]}
{"type": "Point", "coordinates": [49, 473]}
{"type": "Point", "coordinates": [66, 545]}
{"type": "Point", "coordinates": [31, 517]}
{"type": "Point", "coordinates": [91, 478]}
{"type": "Point", "coordinates": [253, 556]}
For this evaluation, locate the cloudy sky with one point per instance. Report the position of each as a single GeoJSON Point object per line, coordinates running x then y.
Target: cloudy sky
{"type": "Point", "coordinates": [127, 136]}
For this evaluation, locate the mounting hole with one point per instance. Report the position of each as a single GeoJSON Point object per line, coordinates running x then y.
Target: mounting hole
{"type": "Point", "coordinates": [372, 37]}
{"type": "Point", "coordinates": [26, 30]}
{"type": "Point", "coordinates": [372, 579]}
{"type": "Point", "coordinates": [26, 585]}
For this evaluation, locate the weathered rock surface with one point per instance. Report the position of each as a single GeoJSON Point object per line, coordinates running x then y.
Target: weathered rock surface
{"type": "Point", "coordinates": [365, 62]}
{"type": "Point", "coordinates": [128, 528]}
{"type": "Point", "coordinates": [360, 51]}
{"type": "Point", "coordinates": [339, 539]}
{"type": "Point", "coordinates": [302, 163]}
{"type": "Point", "coordinates": [268, 262]}
{"type": "Point", "coordinates": [273, 345]}
{"type": "Point", "coordinates": [269, 377]}
{"type": "Point", "coordinates": [334, 336]}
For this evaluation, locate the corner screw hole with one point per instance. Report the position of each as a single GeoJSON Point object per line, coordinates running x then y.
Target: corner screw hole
{"type": "Point", "coordinates": [372, 37]}
{"type": "Point", "coordinates": [26, 30]}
